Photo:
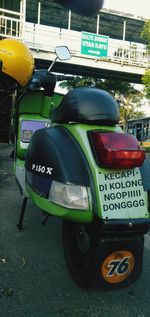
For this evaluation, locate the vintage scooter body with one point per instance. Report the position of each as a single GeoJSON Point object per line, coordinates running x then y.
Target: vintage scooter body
{"type": "Point", "coordinates": [80, 166]}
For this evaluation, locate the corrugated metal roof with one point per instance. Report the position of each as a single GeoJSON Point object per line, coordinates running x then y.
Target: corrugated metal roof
{"type": "Point", "coordinates": [52, 14]}
{"type": "Point", "coordinates": [111, 24]}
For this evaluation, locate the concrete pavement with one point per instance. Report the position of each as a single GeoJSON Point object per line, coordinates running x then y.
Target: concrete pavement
{"type": "Point", "coordinates": [34, 281]}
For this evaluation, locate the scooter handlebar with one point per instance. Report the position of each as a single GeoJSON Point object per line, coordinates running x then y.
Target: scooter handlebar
{"type": "Point", "coordinates": [42, 78]}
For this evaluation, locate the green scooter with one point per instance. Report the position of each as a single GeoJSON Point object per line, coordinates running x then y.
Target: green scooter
{"type": "Point", "coordinates": [73, 161]}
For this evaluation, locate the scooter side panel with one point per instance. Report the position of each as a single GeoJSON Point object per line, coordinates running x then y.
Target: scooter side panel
{"type": "Point", "coordinates": [79, 132]}
{"type": "Point", "coordinates": [54, 155]}
{"type": "Point", "coordinates": [59, 155]}
{"type": "Point", "coordinates": [118, 194]}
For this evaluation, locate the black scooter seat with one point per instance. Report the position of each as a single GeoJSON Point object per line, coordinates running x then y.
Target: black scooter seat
{"type": "Point", "coordinates": [87, 105]}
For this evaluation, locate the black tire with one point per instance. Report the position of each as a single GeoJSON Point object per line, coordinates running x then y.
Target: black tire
{"type": "Point", "coordinates": [78, 257]}
{"type": "Point", "coordinates": [107, 248]}
{"type": "Point", "coordinates": [86, 255]}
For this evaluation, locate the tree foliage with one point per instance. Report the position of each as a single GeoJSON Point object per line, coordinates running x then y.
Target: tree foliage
{"type": "Point", "coordinates": [130, 107]}
{"type": "Point", "coordinates": [146, 82]}
{"type": "Point", "coordinates": [114, 87]}
{"type": "Point", "coordinates": [146, 77]}
{"type": "Point", "coordinates": [145, 35]}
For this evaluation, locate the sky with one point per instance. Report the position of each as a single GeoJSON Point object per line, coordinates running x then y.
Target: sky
{"type": "Point", "coordinates": [136, 7]}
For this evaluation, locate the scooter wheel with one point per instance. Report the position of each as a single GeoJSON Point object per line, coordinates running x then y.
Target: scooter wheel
{"type": "Point", "coordinates": [78, 252]}
{"type": "Point", "coordinates": [117, 263]}
{"type": "Point", "coordinates": [105, 264]}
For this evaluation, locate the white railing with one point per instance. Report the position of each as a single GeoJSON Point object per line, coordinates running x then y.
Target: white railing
{"type": "Point", "coordinates": [11, 24]}
{"type": "Point", "coordinates": [45, 38]}
{"type": "Point", "coordinates": [128, 53]}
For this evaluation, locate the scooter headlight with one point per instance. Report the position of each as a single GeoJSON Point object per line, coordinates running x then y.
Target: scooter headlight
{"type": "Point", "coordinates": [69, 195]}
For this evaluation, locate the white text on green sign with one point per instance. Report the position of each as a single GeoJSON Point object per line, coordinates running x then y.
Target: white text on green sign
{"type": "Point", "coordinates": [94, 44]}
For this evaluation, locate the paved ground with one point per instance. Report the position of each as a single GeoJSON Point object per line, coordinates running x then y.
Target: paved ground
{"type": "Point", "coordinates": [34, 281]}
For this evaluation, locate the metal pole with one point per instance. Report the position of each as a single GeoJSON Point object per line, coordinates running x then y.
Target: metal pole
{"type": "Point", "coordinates": [2, 21]}
{"type": "Point", "coordinates": [97, 28]}
{"type": "Point", "coordinates": [22, 17]}
{"type": "Point", "coordinates": [39, 12]}
{"type": "Point", "coordinates": [21, 6]}
{"type": "Point", "coordinates": [124, 30]}
{"type": "Point", "coordinates": [123, 41]}
{"type": "Point", "coordinates": [69, 20]}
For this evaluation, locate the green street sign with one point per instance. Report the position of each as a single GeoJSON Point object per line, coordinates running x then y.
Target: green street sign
{"type": "Point", "coordinates": [94, 44]}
